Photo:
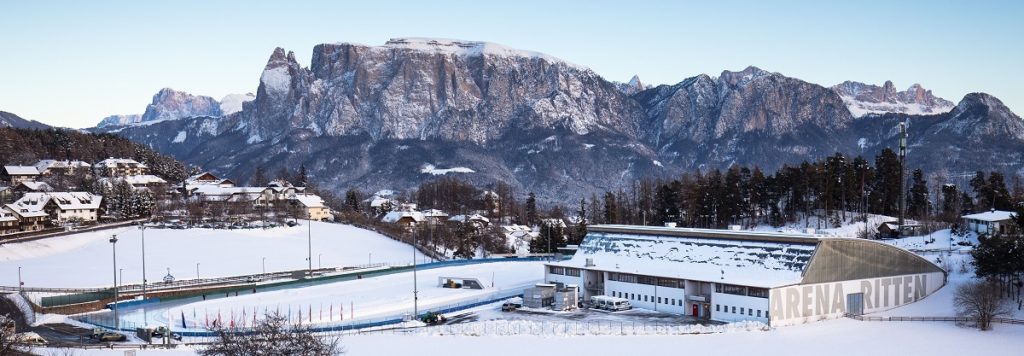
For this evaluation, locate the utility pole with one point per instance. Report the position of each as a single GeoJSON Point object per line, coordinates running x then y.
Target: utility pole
{"type": "Point", "coordinates": [142, 228]}
{"type": "Point", "coordinates": [415, 288]}
{"type": "Point", "coordinates": [903, 164]}
{"type": "Point", "coordinates": [309, 222]}
{"type": "Point", "coordinates": [20, 283]}
{"type": "Point", "coordinates": [113, 246]}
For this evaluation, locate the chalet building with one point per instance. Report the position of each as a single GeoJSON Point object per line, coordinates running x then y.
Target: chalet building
{"type": "Point", "coordinates": [120, 167]}
{"type": "Point", "coordinates": [144, 181]}
{"type": "Point", "coordinates": [18, 174]}
{"type": "Point", "coordinates": [61, 207]}
{"type": "Point", "coordinates": [31, 217]}
{"type": "Point", "coordinates": [9, 223]}
{"type": "Point", "coordinates": [406, 216]}
{"type": "Point", "coordinates": [313, 206]}
{"type": "Point", "coordinates": [475, 219]}
{"type": "Point", "coordinates": [990, 222]}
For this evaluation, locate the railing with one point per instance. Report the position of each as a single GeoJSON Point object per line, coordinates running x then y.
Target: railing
{"type": "Point", "coordinates": [957, 319]}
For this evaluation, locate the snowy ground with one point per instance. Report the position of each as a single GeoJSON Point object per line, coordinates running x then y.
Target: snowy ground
{"type": "Point", "coordinates": [849, 227]}
{"type": "Point", "coordinates": [367, 299]}
{"type": "Point", "coordinates": [84, 260]}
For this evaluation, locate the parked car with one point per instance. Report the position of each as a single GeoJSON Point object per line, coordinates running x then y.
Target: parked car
{"type": "Point", "coordinates": [512, 305]}
{"type": "Point", "coordinates": [106, 336]}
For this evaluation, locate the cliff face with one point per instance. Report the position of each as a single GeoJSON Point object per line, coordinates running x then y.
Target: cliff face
{"type": "Point", "coordinates": [392, 116]}
{"type": "Point", "coordinates": [865, 99]}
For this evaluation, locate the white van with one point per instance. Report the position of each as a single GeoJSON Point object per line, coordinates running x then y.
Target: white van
{"type": "Point", "coordinates": [604, 302]}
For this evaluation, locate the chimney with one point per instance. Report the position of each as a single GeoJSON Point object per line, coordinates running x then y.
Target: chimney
{"type": "Point", "coordinates": [590, 263]}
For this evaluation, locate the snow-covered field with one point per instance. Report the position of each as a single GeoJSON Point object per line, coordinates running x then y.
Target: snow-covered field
{"type": "Point", "coordinates": [84, 260]}
{"type": "Point", "coordinates": [382, 297]}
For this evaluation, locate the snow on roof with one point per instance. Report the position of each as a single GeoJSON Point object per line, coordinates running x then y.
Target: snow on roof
{"type": "Point", "coordinates": [395, 216]}
{"type": "Point", "coordinates": [753, 259]}
{"type": "Point", "coordinates": [310, 200]}
{"type": "Point", "coordinates": [474, 217]}
{"type": "Point", "coordinates": [45, 164]}
{"type": "Point", "coordinates": [21, 170]}
{"type": "Point", "coordinates": [434, 213]}
{"type": "Point", "coordinates": [7, 216]}
{"type": "Point", "coordinates": [378, 202]}
{"type": "Point", "coordinates": [114, 162]}
{"type": "Point", "coordinates": [205, 177]}
{"type": "Point", "coordinates": [992, 215]}
{"type": "Point", "coordinates": [34, 202]}
{"type": "Point", "coordinates": [37, 186]}
{"type": "Point", "coordinates": [143, 179]}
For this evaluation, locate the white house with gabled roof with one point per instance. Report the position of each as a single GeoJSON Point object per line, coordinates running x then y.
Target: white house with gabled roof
{"type": "Point", "coordinates": [61, 207]}
{"type": "Point", "coordinates": [990, 222]}
{"type": "Point", "coordinates": [18, 174]}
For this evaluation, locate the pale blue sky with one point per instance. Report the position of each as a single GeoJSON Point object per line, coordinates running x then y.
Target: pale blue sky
{"type": "Point", "coordinates": [70, 63]}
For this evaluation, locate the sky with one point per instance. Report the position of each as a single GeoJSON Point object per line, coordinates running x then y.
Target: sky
{"type": "Point", "coordinates": [71, 63]}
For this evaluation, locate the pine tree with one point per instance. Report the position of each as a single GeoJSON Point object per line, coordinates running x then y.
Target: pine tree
{"type": "Point", "coordinates": [302, 179]}
{"type": "Point", "coordinates": [918, 204]}
{"type": "Point", "coordinates": [581, 224]}
{"type": "Point", "coordinates": [259, 177]}
{"type": "Point", "coordinates": [610, 209]}
{"type": "Point", "coordinates": [352, 200]}
{"type": "Point", "coordinates": [531, 209]}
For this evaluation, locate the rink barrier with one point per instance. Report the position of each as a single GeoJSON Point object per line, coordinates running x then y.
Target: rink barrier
{"type": "Point", "coordinates": [130, 326]}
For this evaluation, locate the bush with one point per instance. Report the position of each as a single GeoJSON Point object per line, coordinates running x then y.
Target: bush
{"type": "Point", "coordinates": [980, 300]}
{"type": "Point", "coordinates": [272, 336]}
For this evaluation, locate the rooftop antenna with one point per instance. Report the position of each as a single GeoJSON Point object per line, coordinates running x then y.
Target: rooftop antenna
{"type": "Point", "coordinates": [903, 164]}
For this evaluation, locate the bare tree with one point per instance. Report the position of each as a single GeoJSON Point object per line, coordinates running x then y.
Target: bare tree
{"type": "Point", "coordinates": [9, 344]}
{"type": "Point", "coordinates": [980, 300]}
{"type": "Point", "coordinates": [272, 336]}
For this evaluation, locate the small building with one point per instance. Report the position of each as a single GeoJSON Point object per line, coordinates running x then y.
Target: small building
{"type": "Point", "coordinates": [145, 181]}
{"type": "Point", "coordinates": [31, 217]}
{"type": "Point", "coordinates": [475, 219]}
{"type": "Point", "coordinates": [404, 218]}
{"type": "Point", "coordinates": [990, 222]}
{"type": "Point", "coordinates": [33, 187]}
{"type": "Point", "coordinates": [540, 296]}
{"type": "Point", "coordinates": [313, 206]}
{"type": "Point", "coordinates": [120, 167]}
{"type": "Point", "coordinates": [18, 174]}
{"type": "Point", "coordinates": [892, 229]}
{"type": "Point", "coordinates": [8, 222]}
{"type": "Point", "coordinates": [518, 237]}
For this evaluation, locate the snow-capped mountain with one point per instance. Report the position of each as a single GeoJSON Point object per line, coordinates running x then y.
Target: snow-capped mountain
{"type": "Point", "coordinates": [120, 120]}
{"type": "Point", "coordinates": [372, 117]}
{"type": "Point", "coordinates": [232, 103]}
{"type": "Point", "coordinates": [863, 99]}
{"type": "Point", "coordinates": [170, 104]}
{"type": "Point", "coordinates": [633, 86]}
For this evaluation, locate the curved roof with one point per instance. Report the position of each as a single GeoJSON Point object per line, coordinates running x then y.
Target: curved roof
{"type": "Point", "coordinates": [852, 259]}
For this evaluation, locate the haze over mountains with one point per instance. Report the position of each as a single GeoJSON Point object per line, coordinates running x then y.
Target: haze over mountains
{"type": "Point", "coordinates": [372, 117]}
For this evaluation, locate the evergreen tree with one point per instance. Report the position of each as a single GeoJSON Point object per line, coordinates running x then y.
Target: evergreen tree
{"type": "Point", "coordinates": [259, 177]}
{"type": "Point", "coordinates": [1000, 195]}
{"type": "Point", "coordinates": [666, 204]}
{"type": "Point", "coordinates": [918, 204]}
{"type": "Point", "coordinates": [610, 209]}
{"type": "Point", "coordinates": [581, 224]}
{"type": "Point", "coordinates": [531, 209]}
{"type": "Point", "coordinates": [302, 179]}
{"type": "Point", "coordinates": [352, 200]}
{"type": "Point", "coordinates": [951, 204]}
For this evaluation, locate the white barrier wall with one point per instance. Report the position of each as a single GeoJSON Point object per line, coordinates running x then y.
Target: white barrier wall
{"type": "Point", "coordinates": [646, 296]}
{"type": "Point", "coordinates": [731, 308]}
{"type": "Point", "coordinates": [800, 304]}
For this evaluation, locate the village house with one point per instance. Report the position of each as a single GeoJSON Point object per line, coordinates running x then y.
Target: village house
{"type": "Point", "coordinates": [475, 219]}
{"type": "Point", "coordinates": [313, 206]}
{"type": "Point", "coordinates": [143, 181]}
{"type": "Point", "coordinates": [62, 207]}
{"type": "Point", "coordinates": [990, 222]}
{"type": "Point", "coordinates": [31, 217]}
{"type": "Point", "coordinates": [8, 222]}
{"type": "Point", "coordinates": [120, 167]}
{"type": "Point", "coordinates": [518, 237]}
{"type": "Point", "coordinates": [33, 187]}
{"type": "Point", "coordinates": [18, 174]}
{"type": "Point", "coordinates": [406, 216]}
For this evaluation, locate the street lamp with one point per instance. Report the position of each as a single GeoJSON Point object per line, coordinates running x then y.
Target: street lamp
{"type": "Point", "coordinates": [142, 228]}
{"type": "Point", "coordinates": [113, 246]}
{"type": "Point", "coordinates": [120, 272]}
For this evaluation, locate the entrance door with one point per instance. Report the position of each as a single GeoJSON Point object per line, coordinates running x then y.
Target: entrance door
{"type": "Point", "coordinates": [694, 309]}
{"type": "Point", "coordinates": [855, 304]}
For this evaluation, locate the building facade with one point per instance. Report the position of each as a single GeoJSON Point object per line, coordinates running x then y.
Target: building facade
{"type": "Point", "coordinates": [725, 275]}
{"type": "Point", "coordinates": [989, 222]}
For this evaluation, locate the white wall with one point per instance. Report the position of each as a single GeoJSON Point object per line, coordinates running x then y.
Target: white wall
{"type": "Point", "coordinates": [800, 304]}
{"type": "Point", "coordinates": [81, 214]}
{"type": "Point", "coordinates": [635, 293]}
{"type": "Point", "coordinates": [552, 278]}
{"type": "Point", "coordinates": [722, 307]}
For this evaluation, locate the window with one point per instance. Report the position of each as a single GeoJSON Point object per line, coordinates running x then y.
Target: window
{"type": "Point", "coordinates": [556, 270]}
{"type": "Point", "coordinates": [757, 292]}
{"type": "Point", "coordinates": [575, 272]}
{"type": "Point", "coordinates": [670, 283]}
{"type": "Point", "coordinates": [659, 300]}
{"type": "Point", "coordinates": [759, 313]}
{"type": "Point", "coordinates": [731, 289]}
{"type": "Point", "coordinates": [646, 280]}
{"type": "Point", "coordinates": [766, 314]}
{"type": "Point", "coordinates": [742, 311]}
{"type": "Point", "coordinates": [750, 312]}
{"type": "Point", "coordinates": [718, 308]}
{"type": "Point", "coordinates": [734, 309]}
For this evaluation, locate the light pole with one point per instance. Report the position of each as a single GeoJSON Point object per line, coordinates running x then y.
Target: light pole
{"type": "Point", "coordinates": [197, 271]}
{"type": "Point", "coordinates": [113, 246]}
{"type": "Point", "coordinates": [264, 265]}
{"type": "Point", "coordinates": [310, 244]}
{"type": "Point", "coordinates": [370, 261]}
{"type": "Point", "coordinates": [319, 261]}
{"type": "Point", "coordinates": [20, 283]}
{"type": "Point", "coordinates": [142, 229]}
{"type": "Point", "coordinates": [120, 272]}
{"type": "Point", "coordinates": [415, 289]}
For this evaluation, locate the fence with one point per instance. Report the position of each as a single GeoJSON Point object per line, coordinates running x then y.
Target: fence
{"type": "Point", "coordinates": [933, 318]}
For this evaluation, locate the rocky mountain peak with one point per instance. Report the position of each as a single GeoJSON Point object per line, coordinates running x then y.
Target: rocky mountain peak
{"type": "Point", "coordinates": [741, 78]}
{"type": "Point", "coordinates": [864, 99]}
{"type": "Point", "coordinates": [170, 104]}
{"type": "Point", "coordinates": [632, 87]}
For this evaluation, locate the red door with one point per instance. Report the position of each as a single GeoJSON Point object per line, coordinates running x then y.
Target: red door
{"type": "Point", "coordinates": [694, 309]}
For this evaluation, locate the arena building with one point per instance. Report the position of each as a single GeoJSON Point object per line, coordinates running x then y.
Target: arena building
{"type": "Point", "coordinates": [726, 275]}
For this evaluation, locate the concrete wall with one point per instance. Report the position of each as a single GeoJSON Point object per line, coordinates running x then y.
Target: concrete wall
{"type": "Point", "coordinates": [673, 300]}
{"type": "Point", "coordinates": [722, 306]}
{"type": "Point", "coordinates": [800, 304]}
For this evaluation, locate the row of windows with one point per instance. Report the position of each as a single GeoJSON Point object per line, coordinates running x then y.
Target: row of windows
{"type": "Point", "coordinates": [743, 310]}
{"type": "Point", "coordinates": [648, 298]}
{"type": "Point", "coordinates": [741, 290]}
{"type": "Point", "coordinates": [565, 271]}
{"type": "Point", "coordinates": [648, 280]}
